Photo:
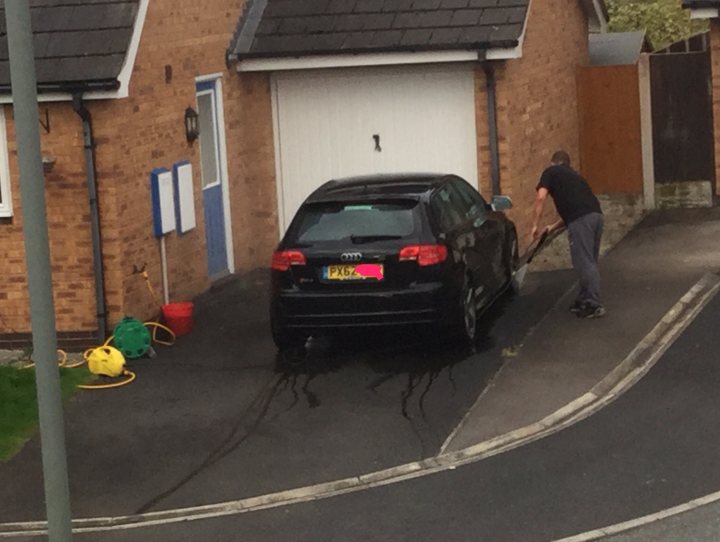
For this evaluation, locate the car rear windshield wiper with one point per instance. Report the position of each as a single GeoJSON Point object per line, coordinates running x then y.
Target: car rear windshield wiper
{"type": "Point", "coordinates": [359, 239]}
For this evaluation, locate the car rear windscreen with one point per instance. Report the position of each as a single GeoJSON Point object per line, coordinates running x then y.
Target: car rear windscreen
{"type": "Point", "coordinates": [332, 221]}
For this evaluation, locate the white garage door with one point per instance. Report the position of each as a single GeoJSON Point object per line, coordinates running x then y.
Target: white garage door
{"type": "Point", "coordinates": [336, 123]}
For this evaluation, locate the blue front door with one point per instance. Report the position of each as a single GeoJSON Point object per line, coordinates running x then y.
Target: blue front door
{"type": "Point", "coordinates": [212, 181]}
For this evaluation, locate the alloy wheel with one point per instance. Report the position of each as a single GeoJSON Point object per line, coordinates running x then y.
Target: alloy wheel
{"type": "Point", "coordinates": [469, 311]}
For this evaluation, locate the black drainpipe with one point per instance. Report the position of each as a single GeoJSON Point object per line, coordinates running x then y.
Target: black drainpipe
{"type": "Point", "coordinates": [89, 146]}
{"type": "Point", "coordinates": [492, 122]}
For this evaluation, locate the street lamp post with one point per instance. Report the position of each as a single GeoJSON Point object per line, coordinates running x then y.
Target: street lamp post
{"type": "Point", "coordinates": [37, 254]}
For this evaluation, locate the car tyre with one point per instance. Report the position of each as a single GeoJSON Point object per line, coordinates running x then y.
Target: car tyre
{"type": "Point", "coordinates": [286, 339]}
{"type": "Point", "coordinates": [469, 312]}
{"type": "Point", "coordinates": [512, 259]}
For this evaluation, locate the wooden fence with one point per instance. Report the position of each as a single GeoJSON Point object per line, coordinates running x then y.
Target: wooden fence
{"type": "Point", "coordinates": [610, 131]}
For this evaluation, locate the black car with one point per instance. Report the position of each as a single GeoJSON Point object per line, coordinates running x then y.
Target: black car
{"type": "Point", "coordinates": [391, 250]}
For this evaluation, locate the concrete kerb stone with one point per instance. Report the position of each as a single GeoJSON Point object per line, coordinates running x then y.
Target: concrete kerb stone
{"type": "Point", "coordinates": [627, 373]}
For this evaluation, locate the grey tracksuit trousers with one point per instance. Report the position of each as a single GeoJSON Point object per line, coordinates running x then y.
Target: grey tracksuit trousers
{"type": "Point", "coordinates": [585, 234]}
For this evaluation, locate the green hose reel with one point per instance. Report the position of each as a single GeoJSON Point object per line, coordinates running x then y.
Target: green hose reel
{"type": "Point", "coordinates": [132, 338]}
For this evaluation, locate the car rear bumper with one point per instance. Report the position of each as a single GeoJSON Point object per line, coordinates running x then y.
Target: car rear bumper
{"type": "Point", "coordinates": [426, 303]}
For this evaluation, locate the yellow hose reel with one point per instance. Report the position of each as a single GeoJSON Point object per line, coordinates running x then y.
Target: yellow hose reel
{"type": "Point", "coordinates": [105, 361]}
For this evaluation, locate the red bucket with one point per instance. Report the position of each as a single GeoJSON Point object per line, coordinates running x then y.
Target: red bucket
{"type": "Point", "coordinates": [178, 317]}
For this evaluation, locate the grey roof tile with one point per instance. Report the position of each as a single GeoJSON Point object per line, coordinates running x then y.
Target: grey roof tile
{"type": "Point", "coordinates": [453, 4]}
{"type": "Point", "coordinates": [494, 16]}
{"type": "Point", "coordinates": [435, 19]}
{"type": "Point", "coordinates": [398, 5]}
{"type": "Point", "coordinates": [75, 41]}
{"type": "Point", "coordinates": [445, 36]}
{"type": "Point", "coordinates": [269, 26]}
{"type": "Point", "coordinates": [482, 3]}
{"type": "Point", "coordinates": [351, 23]}
{"type": "Point", "coordinates": [378, 21]}
{"type": "Point", "coordinates": [517, 15]}
{"type": "Point", "coordinates": [386, 38]}
{"type": "Point", "coordinates": [323, 23]}
{"type": "Point", "coordinates": [416, 37]}
{"type": "Point", "coordinates": [407, 20]}
{"type": "Point", "coordinates": [426, 4]}
{"type": "Point", "coordinates": [476, 35]}
{"type": "Point", "coordinates": [368, 5]}
{"type": "Point", "coordinates": [341, 6]}
{"type": "Point", "coordinates": [301, 27]}
{"type": "Point", "coordinates": [292, 25]}
{"type": "Point", "coordinates": [466, 17]}
{"type": "Point", "coordinates": [357, 40]}
{"type": "Point", "coordinates": [289, 8]}
{"type": "Point", "coordinates": [506, 32]}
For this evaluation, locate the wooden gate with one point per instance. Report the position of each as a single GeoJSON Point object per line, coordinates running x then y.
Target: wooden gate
{"type": "Point", "coordinates": [610, 134]}
{"type": "Point", "coordinates": [682, 117]}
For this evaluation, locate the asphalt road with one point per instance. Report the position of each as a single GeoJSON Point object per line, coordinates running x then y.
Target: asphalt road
{"type": "Point", "coordinates": [221, 416]}
{"type": "Point", "coordinates": [653, 448]}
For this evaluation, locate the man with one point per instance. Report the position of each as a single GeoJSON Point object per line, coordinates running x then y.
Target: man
{"type": "Point", "coordinates": [580, 212]}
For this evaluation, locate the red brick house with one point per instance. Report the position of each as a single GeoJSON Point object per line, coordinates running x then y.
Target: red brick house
{"type": "Point", "coordinates": [307, 89]}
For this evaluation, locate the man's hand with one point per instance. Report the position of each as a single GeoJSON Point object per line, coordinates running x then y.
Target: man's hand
{"type": "Point", "coordinates": [535, 233]}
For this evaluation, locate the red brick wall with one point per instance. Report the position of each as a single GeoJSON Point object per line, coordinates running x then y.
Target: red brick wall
{"type": "Point", "coordinates": [68, 215]}
{"type": "Point", "coordinates": [715, 63]}
{"type": "Point", "coordinates": [537, 102]}
{"type": "Point", "coordinates": [147, 131]}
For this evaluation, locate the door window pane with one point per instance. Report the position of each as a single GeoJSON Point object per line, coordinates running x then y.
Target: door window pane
{"type": "Point", "coordinates": [447, 208]}
{"type": "Point", "coordinates": [473, 202]}
{"type": "Point", "coordinates": [208, 145]}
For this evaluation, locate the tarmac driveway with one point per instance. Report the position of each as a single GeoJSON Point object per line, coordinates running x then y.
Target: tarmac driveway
{"type": "Point", "coordinates": [222, 416]}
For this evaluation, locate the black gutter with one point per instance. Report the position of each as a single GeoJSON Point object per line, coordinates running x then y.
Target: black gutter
{"type": "Point", "coordinates": [91, 171]}
{"type": "Point", "coordinates": [492, 124]}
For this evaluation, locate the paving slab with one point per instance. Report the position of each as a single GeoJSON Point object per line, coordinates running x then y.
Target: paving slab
{"type": "Point", "coordinates": [564, 356]}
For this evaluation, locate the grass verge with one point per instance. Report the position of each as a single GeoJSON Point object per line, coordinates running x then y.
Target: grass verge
{"type": "Point", "coordinates": [18, 404]}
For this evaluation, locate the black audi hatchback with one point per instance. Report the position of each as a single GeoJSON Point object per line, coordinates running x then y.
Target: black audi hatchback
{"type": "Point", "coordinates": [391, 250]}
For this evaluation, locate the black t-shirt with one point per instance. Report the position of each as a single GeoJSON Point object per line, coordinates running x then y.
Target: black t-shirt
{"type": "Point", "coordinates": [570, 191]}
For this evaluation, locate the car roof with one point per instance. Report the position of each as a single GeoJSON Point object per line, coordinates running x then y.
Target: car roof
{"type": "Point", "coordinates": [405, 185]}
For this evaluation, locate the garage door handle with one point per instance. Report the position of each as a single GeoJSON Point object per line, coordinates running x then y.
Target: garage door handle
{"type": "Point", "coordinates": [376, 137]}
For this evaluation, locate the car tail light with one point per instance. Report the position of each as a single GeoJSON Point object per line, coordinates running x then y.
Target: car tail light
{"type": "Point", "coordinates": [283, 259]}
{"type": "Point", "coordinates": [424, 254]}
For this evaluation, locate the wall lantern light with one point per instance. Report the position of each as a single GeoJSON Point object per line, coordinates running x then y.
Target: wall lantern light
{"type": "Point", "coordinates": [192, 130]}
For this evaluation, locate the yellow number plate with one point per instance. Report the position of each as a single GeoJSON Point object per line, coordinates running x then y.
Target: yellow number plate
{"type": "Point", "coordinates": [347, 272]}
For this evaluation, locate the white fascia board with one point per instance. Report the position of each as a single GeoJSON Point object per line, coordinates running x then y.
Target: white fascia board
{"type": "Point", "coordinates": [349, 61]}
{"type": "Point", "coordinates": [504, 54]}
{"type": "Point", "coordinates": [129, 65]}
{"type": "Point", "coordinates": [123, 91]}
{"type": "Point", "coordinates": [704, 13]}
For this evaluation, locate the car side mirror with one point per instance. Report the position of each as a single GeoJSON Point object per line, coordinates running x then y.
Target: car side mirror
{"type": "Point", "coordinates": [501, 203]}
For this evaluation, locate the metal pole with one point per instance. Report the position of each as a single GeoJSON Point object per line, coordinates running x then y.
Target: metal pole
{"type": "Point", "coordinates": [163, 264]}
{"type": "Point", "coordinates": [37, 255]}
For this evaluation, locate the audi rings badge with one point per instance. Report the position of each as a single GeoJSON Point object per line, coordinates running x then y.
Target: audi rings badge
{"type": "Point", "coordinates": [348, 257]}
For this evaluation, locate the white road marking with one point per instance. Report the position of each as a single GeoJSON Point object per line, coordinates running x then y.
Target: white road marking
{"type": "Point", "coordinates": [618, 528]}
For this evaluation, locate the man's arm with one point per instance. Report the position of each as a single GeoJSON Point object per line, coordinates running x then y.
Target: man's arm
{"type": "Point", "coordinates": [540, 197]}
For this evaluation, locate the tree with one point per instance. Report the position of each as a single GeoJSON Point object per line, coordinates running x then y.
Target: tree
{"type": "Point", "coordinates": [664, 21]}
